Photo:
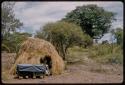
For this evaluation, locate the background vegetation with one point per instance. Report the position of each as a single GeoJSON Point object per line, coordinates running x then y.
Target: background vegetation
{"type": "Point", "coordinates": [64, 35]}
{"type": "Point", "coordinates": [72, 36]}
{"type": "Point", "coordinates": [11, 39]}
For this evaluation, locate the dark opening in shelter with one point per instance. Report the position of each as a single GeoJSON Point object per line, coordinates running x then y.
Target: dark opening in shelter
{"type": "Point", "coordinates": [41, 61]}
{"type": "Point", "coordinates": [48, 61]}
{"type": "Point", "coordinates": [37, 51]}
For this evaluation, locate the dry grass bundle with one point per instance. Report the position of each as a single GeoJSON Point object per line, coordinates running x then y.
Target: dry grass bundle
{"type": "Point", "coordinates": [33, 50]}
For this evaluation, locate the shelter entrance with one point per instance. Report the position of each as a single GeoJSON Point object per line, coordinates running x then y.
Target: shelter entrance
{"type": "Point", "coordinates": [47, 60]}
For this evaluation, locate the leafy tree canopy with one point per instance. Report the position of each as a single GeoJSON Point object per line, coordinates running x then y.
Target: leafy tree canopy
{"type": "Point", "coordinates": [63, 35]}
{"type": "Point", "coordinates": [9, 22]}
{"type": "Point", "coordinates": [12, 42]}
{"type": "Point", "coordinates": [119, 35]}
{"type": "Point", "coordinates": [93, 20]}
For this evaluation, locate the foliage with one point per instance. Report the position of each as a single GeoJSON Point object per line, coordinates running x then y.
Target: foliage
{"type": "Point", "coordinates": [119, 36]}
{"type": "Point", "coordinates": [76, 55]}
{"type": "Point", "coordinates": [12, 42]}
{"type": "Point", "coordinates": [63, 35]}
{"type": "Point", "coordinates": [105, 42]}
{"type": "Point", "coordinates": [94, 20]}
{"type": "Point", "coordinates": [87, 40]}
{"type": "Point", "coordinates": [9, 22]}
{"type": "Point", "coordinates": [103, 53]}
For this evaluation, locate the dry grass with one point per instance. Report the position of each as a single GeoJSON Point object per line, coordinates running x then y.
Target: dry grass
{"type": "Point", "coordinates": [33, 49]}
{"type": "Point", "coordinates": [7, 62]}
{"type": "Point", "coordinates": [107, 53]}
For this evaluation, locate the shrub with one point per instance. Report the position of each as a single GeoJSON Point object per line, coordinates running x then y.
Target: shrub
{"type": "Point", "coordinates": [107, 53]}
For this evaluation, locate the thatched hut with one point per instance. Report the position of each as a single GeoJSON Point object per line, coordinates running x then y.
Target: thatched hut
{"type": "Point", "coordinates": [37, 51]}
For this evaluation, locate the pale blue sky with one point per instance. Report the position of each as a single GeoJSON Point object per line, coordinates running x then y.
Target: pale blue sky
{"type": "Point", "coordinates": [36, 14]}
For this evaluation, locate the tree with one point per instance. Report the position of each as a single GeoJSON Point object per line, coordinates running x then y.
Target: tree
{"type": "Point", "coordinates": [9, 26]}
{"type": "Point", "coordinates": [13, 41]}
{"type": "Point", "coordinates": [94, 20]}
{"type": "Point", "coordinates": [119, 36]}
{"type": "Point", "coordinates": [87, 40]}
{"type": "Point", "coordinates": [62, 35]}
{"type": "Point", "coordinates": [9, 22]}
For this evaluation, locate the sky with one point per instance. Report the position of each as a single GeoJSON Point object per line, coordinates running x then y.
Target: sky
{"type": "Point", "coordinates": [35, 15]}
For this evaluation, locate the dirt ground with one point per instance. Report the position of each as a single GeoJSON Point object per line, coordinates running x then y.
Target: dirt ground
{"type": "Point", "coordinates": [87, 72]}
{"type": "Point", "coordinates": [77, 74]}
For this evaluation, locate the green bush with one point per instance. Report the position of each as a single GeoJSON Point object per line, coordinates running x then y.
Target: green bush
{"type": "Point", "coordinates": [107, 53]}
{"type": "Point", "coordinates": [76, 54]}
{"type": "Point", "coordinates": [115, 58]}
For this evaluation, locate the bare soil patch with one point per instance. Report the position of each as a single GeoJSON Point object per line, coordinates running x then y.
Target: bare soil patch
{"type": "Point", "coordinates": [88, 72]}
{"type": "Point", "coordinates": [77, 74]}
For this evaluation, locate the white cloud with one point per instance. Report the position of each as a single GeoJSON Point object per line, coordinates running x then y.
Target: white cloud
{"type": "Point", "coordinates": [36, 14]}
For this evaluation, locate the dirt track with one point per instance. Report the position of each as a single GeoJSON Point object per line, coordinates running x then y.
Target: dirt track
{"type": "Point", "coordinates": [79, 74]}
